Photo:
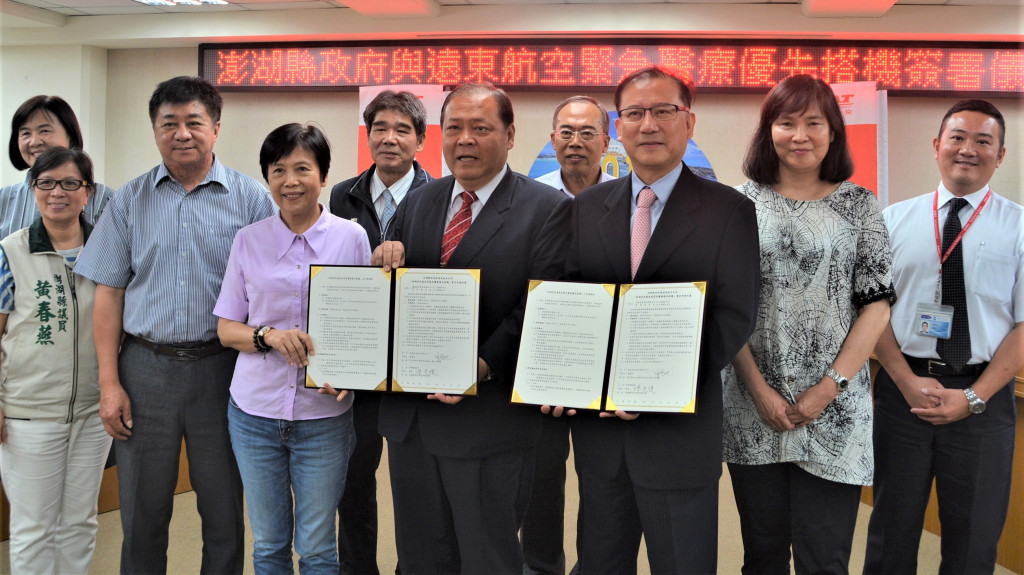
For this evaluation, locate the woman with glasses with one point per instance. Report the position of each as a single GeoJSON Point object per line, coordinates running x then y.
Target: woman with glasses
{"type": "Point", "coordinates": [292, 444]}
{"type": "Point", "coordinates": [798, 416]}
{"type": "Point", "coordinates": [40, 123]}
{"type": "Point", "coordinates": [52, 442]}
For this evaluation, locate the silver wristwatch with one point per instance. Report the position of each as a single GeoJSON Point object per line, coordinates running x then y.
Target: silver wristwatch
{"type": "Point", "coordinates": [974, 403]}
{"type": "Point", "coordinates": [841, 382]}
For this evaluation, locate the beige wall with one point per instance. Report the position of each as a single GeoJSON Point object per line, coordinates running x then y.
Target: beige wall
{"type": "Point", "coordinates": [724, 126]}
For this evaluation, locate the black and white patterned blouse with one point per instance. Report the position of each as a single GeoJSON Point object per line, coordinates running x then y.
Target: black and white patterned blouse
{"type": "Point", "coordinates": [821, 261]}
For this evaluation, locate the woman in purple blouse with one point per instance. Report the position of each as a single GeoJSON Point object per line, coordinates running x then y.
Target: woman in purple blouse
{"type": "Point", "coordinates": [287, 439]}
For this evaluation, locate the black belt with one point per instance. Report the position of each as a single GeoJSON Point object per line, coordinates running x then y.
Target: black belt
{"type": "Point", "coordinates": [186, 352]}
{"type": "Point", "coordinates": [936, 367]}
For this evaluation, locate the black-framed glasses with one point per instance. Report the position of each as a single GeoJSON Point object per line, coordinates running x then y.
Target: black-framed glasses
{"type": "Point", "coordinates": [661, 113]}
{"type": "Point", "coordinates": [67, 184]}
{"type": "Point", "coordinates": [586, 134]}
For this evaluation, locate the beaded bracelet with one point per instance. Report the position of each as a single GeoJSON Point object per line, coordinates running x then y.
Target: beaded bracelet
{"type": "Point", "coordinates": [258, 342]}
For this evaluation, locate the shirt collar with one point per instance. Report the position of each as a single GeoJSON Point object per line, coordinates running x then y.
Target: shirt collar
{"type": "Point", "coordinates": [662, 188]}
{"type": "Point", "coordinates": [217, 173]}
{"type": "Point", "coordinates": [485, 190]}
{"type": "Point", "coordinates": [397, 189]}
{"type": "Point", "coordinates": [974, 198]}
{"type": "Point", "coordinates": [315, 236]}
{"type": "Point", "coordinates": [605, 177]}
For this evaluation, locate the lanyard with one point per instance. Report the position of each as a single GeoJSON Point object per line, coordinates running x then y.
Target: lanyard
{"type": "Point", "coordinates": [956, 240]}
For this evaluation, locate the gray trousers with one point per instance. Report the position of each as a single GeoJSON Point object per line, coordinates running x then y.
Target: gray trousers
{"type": "Point", "coordinates": [174, 399]}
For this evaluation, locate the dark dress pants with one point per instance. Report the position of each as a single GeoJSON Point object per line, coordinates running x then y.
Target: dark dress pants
{"type": "Point", "coordinates": [680, 527]}
{"type": "Point", "coordinates": [457, 516]}
{"type": "Point", "coordinates": [970, 461]}
{"type": "Point", "coordinates": [544, 526]}
{"type": "Point", "coordinates": [357, 513]}
{"type": "Point", "coordinates": [782, 506]}
{"type": "Point", "coordinates": [173, 399]}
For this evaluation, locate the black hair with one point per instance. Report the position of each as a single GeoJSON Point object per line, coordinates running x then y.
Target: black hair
{"type": "Point", "coordinates": [403, 102]}
{"type": "Point", "coordinates": [283, 140]}
{"type": "Point", "coordinates": [500, 97]}
{"type": "Point", "coordinates": [54, 107]}
{"type": "Point", "coordinates": [795, 95]}
{"type": "Point", "coordinates": [56, 157]}
{"type": "Point", "coordinates": [976, 105]}
{"type": "Point", "coordinates": [185, 89]}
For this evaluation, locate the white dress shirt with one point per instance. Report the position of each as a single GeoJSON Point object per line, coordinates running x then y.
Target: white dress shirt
{"type": "Point", "coordinates": [485, 191]}
{"type": "Point", "coordinates": [398, 190]}
{"type": "Point", "coordinates": [993, 253]}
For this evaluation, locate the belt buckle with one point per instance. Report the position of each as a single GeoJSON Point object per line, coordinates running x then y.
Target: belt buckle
{"type": "Point", "coordinates": [187, 354]}
{"type": "Point", "coordinates": [937, 364]}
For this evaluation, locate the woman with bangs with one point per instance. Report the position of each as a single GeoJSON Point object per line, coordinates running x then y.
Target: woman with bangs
{"type": "Point", "coordinates": [41, 123]}
{"type": "Point", "coordinates": [798, 416]}
{"type": "Point", "coordinates": [52, 442]}
{"type": "Point", "coordinates": [292, 444]}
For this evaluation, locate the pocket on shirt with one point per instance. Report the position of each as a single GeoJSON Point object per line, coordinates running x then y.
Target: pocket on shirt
{"type": "Point", "coordinates": [995, 274]}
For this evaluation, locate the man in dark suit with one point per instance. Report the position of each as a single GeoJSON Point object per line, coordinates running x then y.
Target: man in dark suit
{"type": "Point", "coordinates": [461, 468]}
{"type": "Point", "coordinates": [396, 126]}
{"type": "Point", "coordinates": [657, 475]}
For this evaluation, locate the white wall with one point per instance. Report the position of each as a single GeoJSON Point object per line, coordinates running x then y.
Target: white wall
{"type": "Point", "coordinates": [74, 72]}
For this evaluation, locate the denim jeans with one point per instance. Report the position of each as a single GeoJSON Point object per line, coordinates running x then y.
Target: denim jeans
{"type": "Point", "coordinates": [277, 458]}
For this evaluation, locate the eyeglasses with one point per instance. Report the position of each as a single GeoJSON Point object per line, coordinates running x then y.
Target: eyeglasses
{"type": "Point", "coordinates": [586, 134]}
{"type": "Point", "coordinates": [67, 184]}
{"type": "Point", "coordinates": [661, 113]}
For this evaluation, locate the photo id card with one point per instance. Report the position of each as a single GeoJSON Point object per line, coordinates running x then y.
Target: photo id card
{"type": "Point", "coordinates": [934, 320]}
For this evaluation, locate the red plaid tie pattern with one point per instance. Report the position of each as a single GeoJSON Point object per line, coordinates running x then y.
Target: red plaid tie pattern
{"type": "Point", "coordinates": [457, 227]}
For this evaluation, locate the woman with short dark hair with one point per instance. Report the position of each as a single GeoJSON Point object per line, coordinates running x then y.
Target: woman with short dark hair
{"type": "Point", "coordinates": [798, 416]}
{"type": "Point", "coordinates": [52, 442]}
{"type": "Point", "coordinates": [288, 440]}
{"type": "Point", "coordinates": [40, 123]}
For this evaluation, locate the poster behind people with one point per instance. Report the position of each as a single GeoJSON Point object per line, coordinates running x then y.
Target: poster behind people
{"type": "Point", "coordinates": [865, 110]}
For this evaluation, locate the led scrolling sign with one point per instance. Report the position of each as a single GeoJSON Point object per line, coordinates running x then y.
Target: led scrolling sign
{"type": "Point", "coordinates": [725, 66]}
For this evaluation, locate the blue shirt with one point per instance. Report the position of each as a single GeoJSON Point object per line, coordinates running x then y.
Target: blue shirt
{"type": "Point", "coordinates": [167, 248]}
{"type": "Point", "coordinates": [661, 188]}
{"type": "Point", "coordinates": [18, 206]}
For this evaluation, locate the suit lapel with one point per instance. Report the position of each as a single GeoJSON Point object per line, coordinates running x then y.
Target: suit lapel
{"type": "Point", "coordinates": [614, 228]}
{"type": "Point", "coordinates": [487, 223]}
{"type": "Point", "coordinates": [433, 221]}
{"type": "Point", "coordinates": [674, 225]}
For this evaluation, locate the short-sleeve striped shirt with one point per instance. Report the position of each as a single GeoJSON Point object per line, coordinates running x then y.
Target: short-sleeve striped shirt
{"type": "Point", "coordinates": [168, 249]}
{"type": "Point", "coordinates": [18, 206]}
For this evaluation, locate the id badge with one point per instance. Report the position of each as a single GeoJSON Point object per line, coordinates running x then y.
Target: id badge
{"type": "Point", "coordinates": [934, 320]}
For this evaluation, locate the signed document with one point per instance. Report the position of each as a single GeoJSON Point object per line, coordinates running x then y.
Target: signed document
{"type": "Point", "coordinates": [657, 347]}
{"type": "Point", "coordinates": [634, 347]}
{"type": "Point", "coordinates": [564, 345]}
{"type": "Point", "coordinates": [349, 309]}
{"type": "Point", "coordinates": [436, 320]}
{"type": "Point", "coordinates": [410, 329]}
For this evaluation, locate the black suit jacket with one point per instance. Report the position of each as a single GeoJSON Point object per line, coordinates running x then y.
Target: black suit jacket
{"type": "Point", "coordinates": [353, 200]}
{"type": "Point", "coordinates": [707, 231]}
{"type": "Point", "coordinates": [521, 233]}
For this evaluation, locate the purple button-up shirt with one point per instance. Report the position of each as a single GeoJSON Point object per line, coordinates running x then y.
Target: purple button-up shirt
{"type": "Point", "coordinates": [267, 283]}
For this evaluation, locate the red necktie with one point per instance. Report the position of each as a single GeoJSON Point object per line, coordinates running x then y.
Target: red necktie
{"type": "Point", "coordinates": [457, 227]}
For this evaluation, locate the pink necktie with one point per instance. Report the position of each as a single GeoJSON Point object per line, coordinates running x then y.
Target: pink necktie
{"type": "Point", "coordinates": [641, 227]}
{"type": "Point", "coordinates": [457, 227]}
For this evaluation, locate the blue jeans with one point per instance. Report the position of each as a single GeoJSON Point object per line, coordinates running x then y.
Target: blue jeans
{"type": "Point", "coordinates": [277, 458]}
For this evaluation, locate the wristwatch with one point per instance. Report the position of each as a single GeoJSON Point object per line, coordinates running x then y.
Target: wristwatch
{"type": "Point", "coordinates": [974, 403]}
{"type": "Point", "coordinates": [841, 382]}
